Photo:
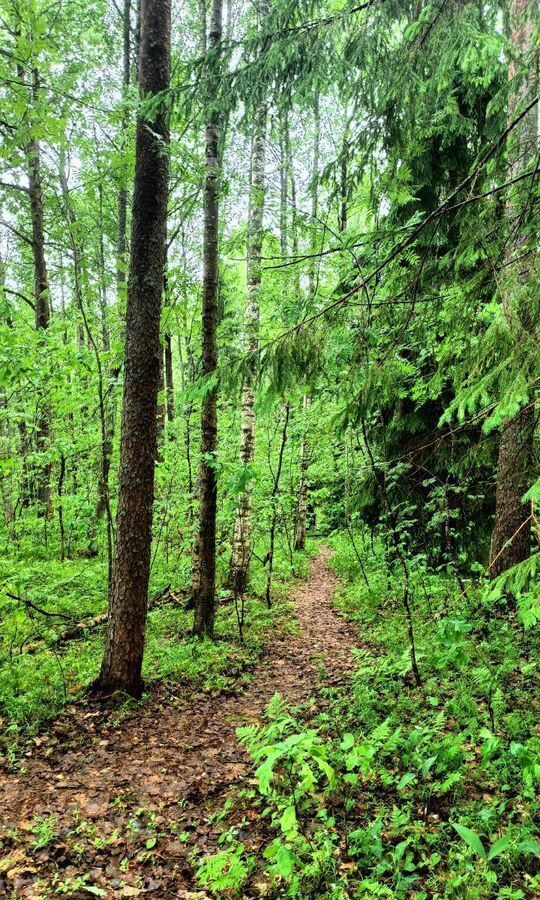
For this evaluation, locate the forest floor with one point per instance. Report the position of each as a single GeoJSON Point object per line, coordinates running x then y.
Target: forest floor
{"type": "Point", "coordinates": [112, 802]}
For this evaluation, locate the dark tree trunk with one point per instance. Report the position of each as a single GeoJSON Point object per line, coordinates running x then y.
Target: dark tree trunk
{"type": "Point", "coordinates": [166, 383]}
{"type": "Point", "coordinates": [62, 530]}
{"type": "Point", "coordinates": [301, 513]}
{"type": "Point", "coordinates": [122, 662]}
{"type": "Point", "coordinates": [205, 600]}
{"type": "Point", "coordinates": [511, 540]}
{"type": "Point", "coordinates": [301, 518]}
{"type": "Point", "coordinates": [274, 500]}
{"type": "Point", "coordinates": [42, 301]}
{"type": "Point", "coordinates": [344, 185]}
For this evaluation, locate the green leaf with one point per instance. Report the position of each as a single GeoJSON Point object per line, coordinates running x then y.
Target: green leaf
{"type": "Point", "coordinates": [265, 774]}
{"type": "Point", "coordinates": [408, 778]}
{"type": "Point", "coordinates": [347, 742]}
{"type": "Point", "coordinates": [471, 838]}
{"type": "Point", "coordinates": [288, 820]}
{"type": "Point", "coordinates": [529, 846]}
{"type": "Point", "coordinates": [284, 862]}
{"type": "Point", "coordinates": [500, 846]}
{"type": "Point", "coordinates": [151, 842]}
{"type": "Point", "coordinates": [97, 892]}
{"type": "Point", "coordinates": [428, 765]}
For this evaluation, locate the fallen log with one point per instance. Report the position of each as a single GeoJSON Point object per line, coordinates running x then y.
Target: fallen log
{"type": "Point", "coordinates": [76, 629]}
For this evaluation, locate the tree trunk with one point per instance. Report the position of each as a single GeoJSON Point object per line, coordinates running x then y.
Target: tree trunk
{"type": "Point", "coordinates": [169, 378]}
{"type": "Point", "coordinates": [512, 519]}
{"type": "Point", "coordinates": [294, 208]}
{"type": "Point", "coordinates": [123, 192]}
{"type": "Point", "coordinates": [283, 182]}
{"type": "Point", "coordinates": [160, 417]}
{"type": "Point", "coordinates": [301, 518]}
{"type": "Point", "coordinates": [242, 539]}
{"type": "Point", "coordinates": [6, 486]}
{"type": "Point", "coordinates": [194, 486]}
{"type": "Point", "coordinates": [314, 190]}
{"type": "Point", "coordinates": [126, 626]}
{"type": "Point", "coordinates": [42, 300]}
{"type": "Point", "coordinates": [274, 499]}
{"type": "Point", "coordinates": [511, 540]}
{"type": "Point", "coordinates": [167, 349]}
{"type": "Point", "coordinates": [104, 316]}
{"type": "Point", "coordinates": [206, 599]}
{"type": "Point", "coordinates": [344, 181]}
{"type": "Point", "coordinates": [103, 504]}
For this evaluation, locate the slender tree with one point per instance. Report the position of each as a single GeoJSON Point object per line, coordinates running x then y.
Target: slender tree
{"type": "Point", "coordinates": [122, 242]}
{"type": "Point", "coordinates": [80, 283]}
{"type": "Point", "coordinates": [274, 497]}
{"type": "Point", "coordinates": [243, 526]}
{"type": "Point", "coordinates": [122, 662]}
{"type": "Point", "coordinates": [42, 304]}
{"type": "Point", "coordinates": [205, 598]}
{"type": "Point", "coordinates": [301, 518]}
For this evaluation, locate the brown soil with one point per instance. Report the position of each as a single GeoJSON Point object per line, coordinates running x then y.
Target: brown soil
{"type": "Point", "coordinates": [131, 796]}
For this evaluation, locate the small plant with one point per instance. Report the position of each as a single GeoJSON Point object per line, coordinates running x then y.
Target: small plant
{"type": "Point", "coordinates": [227, 871]}
{"type": "Point", "coordinates": [44, 829]}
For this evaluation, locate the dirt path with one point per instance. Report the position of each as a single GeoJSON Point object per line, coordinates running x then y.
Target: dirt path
{"type": "Point", "coordinates": [125, 800]}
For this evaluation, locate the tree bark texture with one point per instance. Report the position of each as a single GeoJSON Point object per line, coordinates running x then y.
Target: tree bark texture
{"type": "Point", "coordinates": [205, 599]}
{"type": "Point", "coordinates": [242, 540]}
{"type": "Point", "coordinates": [122, 663]}
{"type": "Point", "coordinates": [41, 301]}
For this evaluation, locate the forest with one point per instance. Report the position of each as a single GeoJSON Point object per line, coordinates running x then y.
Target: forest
{"type": "Point", "coordinates": [269, 455]}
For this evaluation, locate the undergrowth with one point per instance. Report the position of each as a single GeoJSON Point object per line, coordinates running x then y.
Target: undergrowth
{"type": "Point", "coordinates": [40, 673]}
{"type": "Point", "coordinates": [393, 789]}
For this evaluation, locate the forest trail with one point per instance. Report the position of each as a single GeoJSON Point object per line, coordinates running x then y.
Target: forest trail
{"type": "Point", "coordinates": [147, 784]}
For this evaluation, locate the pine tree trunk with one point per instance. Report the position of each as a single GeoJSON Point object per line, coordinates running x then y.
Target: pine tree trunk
{"type": "Point", "coordinates": [511, 539]}
{"type": "Point", "coordinates": [206, 599]}
{"type": "Point", "coordinates": [242, 541]}
{"type": "Point", "coordinates": [126, 626]}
